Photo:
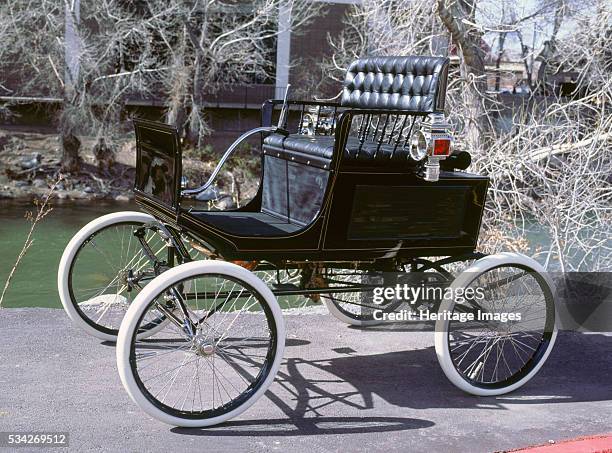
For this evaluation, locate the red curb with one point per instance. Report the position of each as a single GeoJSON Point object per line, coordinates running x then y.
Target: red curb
{"type": "Point", "coordinates": [591, 444]}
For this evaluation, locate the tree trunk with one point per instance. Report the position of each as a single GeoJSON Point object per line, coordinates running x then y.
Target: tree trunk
{"type": "Point", "coordinates": [528, 68]}
{"type": "Point", "coordinates": [104, 155]}
{"type": "Point", "coordinates": [468, 40]}
{"type": "Point", "coordinates": [500, 54]}
{"type": "Point", "coordinates": [176, 113]}
{"type": "Point", "coordinates": [198, 38]}
{"type": "Point", "coordinates": [70, 152]}
{"type": "Point", "coordinates": [193, 133]}
{"type": "Point", "coordinates": [72, 52]}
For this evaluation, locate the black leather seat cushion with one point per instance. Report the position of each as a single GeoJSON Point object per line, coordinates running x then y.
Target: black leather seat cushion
{"type": "Point", "coordinates": [371, 153]}
{"type": "Point", "coordinates": [323, 146]}
{"type": "Point", "coordinates": [414, 83]}
{"type": "Point", "coordinates": [313, 145]}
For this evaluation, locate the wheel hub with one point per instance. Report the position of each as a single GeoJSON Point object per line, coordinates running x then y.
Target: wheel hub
{"type": "Point", "coordinates": [203, 346]}
{"type": "Point", "coordinates": [126, 277]}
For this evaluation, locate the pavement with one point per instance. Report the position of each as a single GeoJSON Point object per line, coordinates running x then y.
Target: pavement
{"type": "Point", "coordinates": [339, 389]}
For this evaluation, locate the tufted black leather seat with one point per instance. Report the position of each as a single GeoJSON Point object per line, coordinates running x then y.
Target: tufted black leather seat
{"type": "Point", "coordinates": [414, 84]}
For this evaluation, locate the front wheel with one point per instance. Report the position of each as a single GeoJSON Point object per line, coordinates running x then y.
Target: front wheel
{"type": "Point", "coordinates": [494, 354]}
{"type": "Point", "coordinates": [215, 357]}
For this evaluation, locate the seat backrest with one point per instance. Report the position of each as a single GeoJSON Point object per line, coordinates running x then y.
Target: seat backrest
{"type": "Point", "coordinates": [412, 84]}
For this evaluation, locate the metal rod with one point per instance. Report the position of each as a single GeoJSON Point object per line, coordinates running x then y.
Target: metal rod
{"type": "Point", "coordinates": [399, 135]}
{"type": "Point", "coordinates": [316, 128]}
{"type": "Point", "coordinates": [332, 129]}
{"type": "Point", "coordinates": [375, 128]}
{"type": "Point", "coordinates": [302, 119]}
{"type": "Point", "coordinates": [277, 292]}
{"type": "Point", "coordinates": [409, 131]}
{"type": "Point", "coordinates": [363, 137]}
{"type": "Point", "coordinates": [382, 135]}
{"type": "Point", "coordinates": [359, 131]}
{"type": "Point", "coordinates": [282, 119]}
{"type": "Point", "coordinates": [172, 317]}
{"type": "Point", "coordinates": [391, 134]}
{"type": "Point", "coordinates": [226, 156]}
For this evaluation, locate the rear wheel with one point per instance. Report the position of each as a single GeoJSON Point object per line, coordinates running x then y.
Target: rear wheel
{"type": "Point", "coordinates": [357, 308]}
{"type": "Point", "coordinates": [490, 356]}
{"type": "Point", "coordinates": [215, 357]}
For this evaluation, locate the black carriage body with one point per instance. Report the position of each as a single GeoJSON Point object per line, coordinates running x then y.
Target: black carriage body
{"type": "Point", "coordinates": [345, 195]}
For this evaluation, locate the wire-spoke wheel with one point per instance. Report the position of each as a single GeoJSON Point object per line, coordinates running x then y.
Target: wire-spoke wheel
{"type": "Point", "coordinates": [103, 269]}
{"type": "Point", "coordinates": [513, 328]}
{"type": "Point", "coordinates": [217, 354]}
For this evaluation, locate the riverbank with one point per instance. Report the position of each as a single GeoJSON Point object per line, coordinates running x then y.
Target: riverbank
{"type": "Point", "coordinates": [30, 166]}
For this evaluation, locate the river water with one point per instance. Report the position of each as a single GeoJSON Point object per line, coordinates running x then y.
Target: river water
{"type": "Point", "coordinates": [35, 282]}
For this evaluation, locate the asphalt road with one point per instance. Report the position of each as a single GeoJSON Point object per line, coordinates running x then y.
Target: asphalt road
{"type": "Point", "coordinates": [339, 389]}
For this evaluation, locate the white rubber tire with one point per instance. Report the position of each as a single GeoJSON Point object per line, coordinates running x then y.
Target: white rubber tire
{"type": "Point", "coordinates": [141, 303]}
{"type": "Point", "coordinates": [69, 254]}
{"type": "Point", "coordinates": [441, 334]}
{"type": "Point", "coordinates": [341, 316]}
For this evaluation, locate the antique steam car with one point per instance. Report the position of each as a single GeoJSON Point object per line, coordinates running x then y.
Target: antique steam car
{"type": "Point", "coordinates": [372, 197]}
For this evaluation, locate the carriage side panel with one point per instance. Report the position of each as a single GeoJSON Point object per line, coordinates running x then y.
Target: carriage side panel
{"type": "Point", "coordinates": [291, 190]}
{"type": "Point", "coordinates": [401, 212]}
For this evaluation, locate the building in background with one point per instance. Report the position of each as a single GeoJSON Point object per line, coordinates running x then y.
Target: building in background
{"type": "Point", "coordinates": [232, 109]}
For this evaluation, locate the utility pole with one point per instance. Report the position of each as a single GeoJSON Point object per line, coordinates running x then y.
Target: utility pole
{"type": "Point", "coordinates": [72, 54]}
{"type": "Point", "coordinates": [72, 45]}
{"type": "Point", "coordinates": [283, 48]}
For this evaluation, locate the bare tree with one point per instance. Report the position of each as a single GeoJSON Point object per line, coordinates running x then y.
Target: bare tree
{"type": "Point", "coordinates": [387, 27]}
{"type": "Point", "coordinates": [550, 170]}
{"type": "Point", "coordinates": [459, 17]}
{"type": "Point", "coordinates": [60, 50]}
{"type": "Point", "coordinates": [96, 54]}
{"type": "Point", "coordinates": [212, 45]}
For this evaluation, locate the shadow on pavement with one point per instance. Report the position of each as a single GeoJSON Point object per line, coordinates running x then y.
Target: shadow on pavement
{"type": "Point", "coordinates": [578, 370]}
{"type": "Point", "coordinates": [289, 342]}
{"type": "Point", "coordinates": [309, 426]}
